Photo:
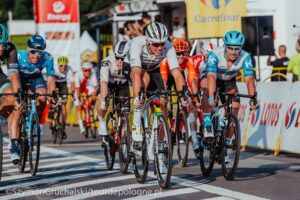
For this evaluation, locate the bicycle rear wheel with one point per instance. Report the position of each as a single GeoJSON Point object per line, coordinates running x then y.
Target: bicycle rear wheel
{"type": "Point", "coordinates": [23, 144]}
{"type": "Point", "coordinates": [61, 126]}
{"type": "Point", "coordinates": [54, 130]}
{"type": "Point", "coordinates": [124, 146]}
{"type": "Point", "coordinates": [182, 138]}
{"type": "Point", "coordinates": [232, 149]}
{"type": "Point", "coordinates": [163, 153]}
{"type": "Point", "coordinates": [34, 146]}
{"type": "Point", "coordinates": [108, 144]}
{"type": "Point", "coordinates": [140, 160]}
{"type": "Point", "coordinates": [1, 152]}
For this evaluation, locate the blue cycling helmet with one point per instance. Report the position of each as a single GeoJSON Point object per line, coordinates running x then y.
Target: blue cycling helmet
{"type": "Point", "coordinates": [4, 34]}
{"type": "Point", "coordinates": [234, 38]}
{"type": "Point", "coordinates": [36, 42]}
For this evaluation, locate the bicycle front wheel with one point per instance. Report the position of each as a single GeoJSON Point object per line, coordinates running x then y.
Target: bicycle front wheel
{"type": "Point", "coordinates": [163, 153]}
{"type": "Point", "coordinates": [182, 138]}
{"type": "Point", "coordinates": [1, 152]}
{"type": "Point", "coordinates": [61, 126]}
{"type": "Point", "coordinates": [23, 144]}
{"type": "Point", "coordinates": [124, 146]}
{"type": "Point", "coordinates": [108, 143]}
{"type": "Point", "coordinates": [34, 145]}
{"type": "Point", "coordinates": [231, 150]}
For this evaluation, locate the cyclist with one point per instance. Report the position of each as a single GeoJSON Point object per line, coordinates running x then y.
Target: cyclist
{"type": "Point", "coordinates": [222, 67]}
{"type": "Point", "coordinates": [114, 74]}
{"type": "Point", "coordinates": [146, 52]}
{"type": "Point", "coordinates": [64, 79]}
{"type": "Point", "coordinates": [85, 82]}
{"type": "Point", "coordinates": [8, 85]}
{"type": "Point", "coordinates": [188, 70]}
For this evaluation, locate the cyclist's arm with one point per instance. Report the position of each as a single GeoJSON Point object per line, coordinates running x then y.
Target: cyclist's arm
{"type": "Point", "coordinates": [211, 69]}
{"type": "Point", "coordinates": [249, 75]}
{"type": "Point", "coordinates": [50, 72]}
{"type": "Point", "coordinates": [136, 63]}
{"type": "Point", "coordinates": [192, 76]}
{"type": "Point", "coordinates": [77, 85]}
{"type": "Point", "coordinates": [174, 67]}
{"type": "Point", "coordinates": [104, 77]}
{"type": "Point", "coordinates": [178, 78]}
{"type": "Point", "coordinates": [136, 80]}
{"type": "Point", "coordinates": [13, 70]}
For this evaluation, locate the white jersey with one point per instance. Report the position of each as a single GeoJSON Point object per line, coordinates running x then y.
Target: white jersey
{"type": "Point", "coordinates": [81, 82]}
{"type": "Point", "coordinates": [110, 72]}
{"type": "Point", "coordinates": [216, 63]}
{"type": "Point", "coordinates": [67, 77]}
{"type": "Point", "coordinates": [140, 56]}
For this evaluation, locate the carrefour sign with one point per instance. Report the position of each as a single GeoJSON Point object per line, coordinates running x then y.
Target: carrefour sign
{"type": "Point", "coordinates": [212, 18]}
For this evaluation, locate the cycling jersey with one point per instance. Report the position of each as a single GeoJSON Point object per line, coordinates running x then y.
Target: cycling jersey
{"type": "Point", "coordinates": [111, 73]}
{"type": "Point", "coordinates": [86, 85]}
{"type": "Point", "coordinates": [66, 77]}
{"type": "Point", "coordinates": [187, 68]}
{"type": "Point", "coordinates": [31, 71]}
{"type": "Point", "coordinates": [217, 64]}
{"type": "Point", "coordinates": [140, 56]}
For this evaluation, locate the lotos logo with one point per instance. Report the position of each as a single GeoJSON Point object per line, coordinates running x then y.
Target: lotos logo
{"type": "Point", "coordinates": [291, 116]}
{"type": "Point", "coordinates": [58, 6]}
{"type": "Point", "coordinates": [215, 3]}
{"type": "Point", "coordinates": [255, 116]}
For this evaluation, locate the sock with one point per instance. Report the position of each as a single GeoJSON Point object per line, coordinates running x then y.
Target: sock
{"type": "Point", "coordinates": [195, 140]}
{"type": "Point", "coordinates": [137, 114]}
{"type": "Point", "coordinates": [14, 145]}
{"type": "Point", "coordinates": [207, 120]}
{"type": "Point", "coordinates": [100, 118]}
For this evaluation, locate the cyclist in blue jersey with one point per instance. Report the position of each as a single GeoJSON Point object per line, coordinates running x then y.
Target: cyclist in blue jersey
{"type": "Point", "coordinates": [8, 84]}
{"type": "Point", "coordinates": [222, 67]}
{"type": "Point", "coordinates": [31, 62]}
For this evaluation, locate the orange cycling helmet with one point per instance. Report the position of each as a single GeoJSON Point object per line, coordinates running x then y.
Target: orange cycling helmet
{"type": "Point", "coordinates": [180, 45]}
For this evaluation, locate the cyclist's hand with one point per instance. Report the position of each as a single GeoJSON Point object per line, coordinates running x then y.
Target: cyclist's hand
{"type": "Point", "coordinates": [253, 103]}
{"type": "Point", "coordinates": [183, 102]}
{"type": "Point", "coordinates": [18, 106]}
{"type": "Point", "coordinates": [196, 102]}
{"type": "Point", "coordinates": [211, 101]}
{"type": "Point", "coordinates": [137, 103]}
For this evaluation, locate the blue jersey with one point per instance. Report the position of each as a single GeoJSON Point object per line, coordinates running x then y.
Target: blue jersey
{"type": "Point", "coordinates": [217, 64]}
{"type": "Point", "coordinates": [28, 70]}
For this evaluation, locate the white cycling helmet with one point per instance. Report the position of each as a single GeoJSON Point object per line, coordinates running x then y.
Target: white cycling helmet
{"type": "Point", "coordinates": [121, 49]}
{"type": "Point", "coordinates": [87, 65]}
{"type": "Point", "coordinates": [156, 32]}
{"type": "Point", "coordinates": [207, 48]}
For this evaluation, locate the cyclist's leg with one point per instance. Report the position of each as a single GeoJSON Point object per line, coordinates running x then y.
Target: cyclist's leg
{"type": "Point", "coordinates": [206, 108]}
{"type": "Point", "coordinates": [102, 110]}
{"type": "Point", "coordinates": [123, 91]}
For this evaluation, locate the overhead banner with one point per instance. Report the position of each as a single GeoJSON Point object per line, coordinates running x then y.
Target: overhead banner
{"type": "Point", "coordinates": [213, 18]}
{"type": "Point", "coordinates": [58, 22]}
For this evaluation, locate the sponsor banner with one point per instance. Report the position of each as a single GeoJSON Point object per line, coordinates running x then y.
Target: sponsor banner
{"type": "Point", "coordinates": [266, 122]}
{"type": "Point", "coordinates": [58, 22]}
{"type": "Point", "coordinates": [212, 18]}
{"type": "Point", "coordinates": [56, 11]}
{"type": "Point", "coordinates": [291, 121]}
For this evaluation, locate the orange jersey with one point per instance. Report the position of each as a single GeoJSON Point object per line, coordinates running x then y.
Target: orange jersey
{"type": "Point", "coordinates": [187, 67]}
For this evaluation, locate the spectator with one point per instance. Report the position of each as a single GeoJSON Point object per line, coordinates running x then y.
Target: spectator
{"type": "Point", "coordinates": [146, 19]}
{"type": "Point", "coordinates": [294, 67]}
{"type": "Point", "coordinates": [136, 29]}
{"type": "Point", "coordinates": [281, 61]}
{"type": "Point", "coordinates": [298, 43]}
{"type": "Point", "coordinates": [178, 30]}
{"type": "Point", "coordinates": [128, 29]}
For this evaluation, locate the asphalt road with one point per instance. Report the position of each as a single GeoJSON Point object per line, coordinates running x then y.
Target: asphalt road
{"type": "Point", "coordinates": [76, 170]}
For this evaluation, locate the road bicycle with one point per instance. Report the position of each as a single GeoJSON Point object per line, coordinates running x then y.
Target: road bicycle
{"type": "Point", "coordinates": [219, 150]}
{"type": "Point", "coordinates": [156, 145]}
{"type": "Point", "coordinates": [119, 136]}
{"type": "Point", "coordinates": [89, 120]}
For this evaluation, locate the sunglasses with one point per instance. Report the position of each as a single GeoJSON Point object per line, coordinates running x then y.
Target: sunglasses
{"type": "Point", "coordinates": [119, 58]}
{"type": "Point", "coordinates": [158, 44]}
{"type": "Point", "coordinates": [62, 65]}
{"type": "Point", "coordinates": [34, 51]}
{"type": "Point", "coordinates": [234, 49]}
{"type": "Point", "coordinates": [182, 53]}
{"type": "Point", "coordinates": [87, 70]}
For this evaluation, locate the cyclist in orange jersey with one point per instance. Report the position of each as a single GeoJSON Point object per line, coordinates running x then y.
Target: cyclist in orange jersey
{"type": "Point", "coordinates": [190, 73]}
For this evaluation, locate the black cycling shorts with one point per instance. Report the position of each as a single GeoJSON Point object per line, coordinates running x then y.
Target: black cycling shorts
{"type": "Point", "coordinates": [156, 81]}
{"type": "Point", "coordinates": [226, 86]}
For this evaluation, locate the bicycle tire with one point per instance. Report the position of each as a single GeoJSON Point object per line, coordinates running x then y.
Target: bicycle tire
{"type": "Point", "coordinates": [164, 180]}
{"type": "Point", "coordinates": [93, 127]}
{"type": "Point", "coordinates": [61, 126]}
{"type": "Point", "coordinates": [109, 152]}
{"type": "Point", "coordinates": [23, 144]}
{"type": "Point", "coordinates": [208, 153]}
{"type": "Point", "coordinates": [54, 128]}
{"type": "Point", "coordinates": [229, 172]}
{"type": "Point", "coordinates": [141, 168]}
{"type": "Point", "coordinates": [182, 148]}
{"type": "Point", "coordinates": [34, 148]}
{"type": "Point", "coordinates": [124, 145]}
{"type": "Point", "coordinates": [1, 152]}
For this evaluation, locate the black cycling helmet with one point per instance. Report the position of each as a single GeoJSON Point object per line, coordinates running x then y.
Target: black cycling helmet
{"type": "Point", "coordinates": [36, 42]}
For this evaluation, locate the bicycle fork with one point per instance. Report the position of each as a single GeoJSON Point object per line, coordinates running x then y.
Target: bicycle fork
{"type": "Point", "coordinates": [29, 120]}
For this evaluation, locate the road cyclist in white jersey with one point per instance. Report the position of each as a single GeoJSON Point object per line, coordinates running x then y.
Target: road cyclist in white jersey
{"type": "Point", "coordinates": [146, 52]}
{"type": "Point", "coordinates": [114, 74]}
{"type": "Point", "coordinates": [85, 83]}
